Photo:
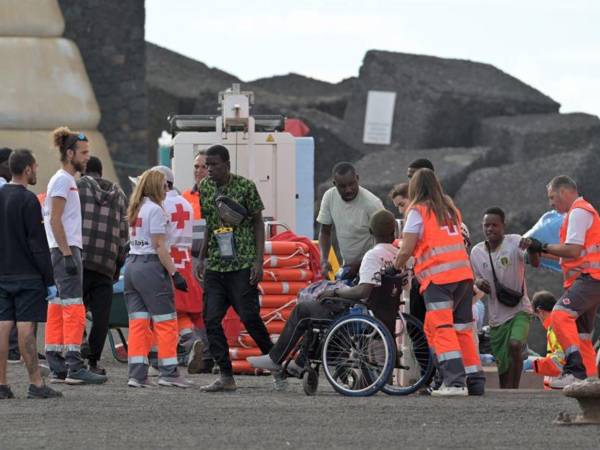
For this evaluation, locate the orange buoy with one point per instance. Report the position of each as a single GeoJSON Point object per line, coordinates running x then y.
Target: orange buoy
{"type": "Point", "coordinates": [275, 327]}
{"type": "Point", "coordinates": [287, 275]}
{"type": "Point", "coordinates": [294, 262]}
{"type": "Point", "coordinates": [275, 301]}
{"type": "Point", "coordinates": [244, 367]}
{"type": "Point", "coordinates": [241, 353]}
{"type": "Point", "coordinates": [246, 341]}
{"type": "Point", "coordinates": [276, 313]}
{"type": "Point", "coordinates": [281, 287]}
{"type": "Point", "coordinates": [285, 248]}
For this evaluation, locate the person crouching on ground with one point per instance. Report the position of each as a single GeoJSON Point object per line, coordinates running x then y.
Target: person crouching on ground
{"type": "Point", "coordinates": [432, 234]}
{"type": "Point", "coordinates": [383, 229]}
{"type": "Point", "coordinates": [149, 278]}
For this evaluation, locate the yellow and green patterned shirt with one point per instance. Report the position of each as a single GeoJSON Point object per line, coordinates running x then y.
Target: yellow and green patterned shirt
{"type": "Point", "coordinates": [245, 193]}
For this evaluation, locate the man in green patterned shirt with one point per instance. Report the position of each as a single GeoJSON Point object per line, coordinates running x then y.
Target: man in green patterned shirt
{"type": "Point", "coordinates": [231, 261]}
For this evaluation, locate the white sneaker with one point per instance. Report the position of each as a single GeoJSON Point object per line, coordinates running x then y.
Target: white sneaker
{"type": "Point", "coordinates": [153, 372]}
{"type": "Point", "coordinates": [563, 381]}
{"type": "Point", "coordinates": [450, 391]}
{"type": "Point", "coordinates": [178, 381]}
{"type": "Point", "coordinates": [140, 384]}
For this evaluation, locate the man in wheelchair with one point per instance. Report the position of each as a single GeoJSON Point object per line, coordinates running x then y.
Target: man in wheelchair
{"type": "Point", "coordinates": [383, 228]}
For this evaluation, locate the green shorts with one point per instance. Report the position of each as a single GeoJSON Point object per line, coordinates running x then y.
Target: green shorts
{"type": "Point", "coordinates": [515, 329]}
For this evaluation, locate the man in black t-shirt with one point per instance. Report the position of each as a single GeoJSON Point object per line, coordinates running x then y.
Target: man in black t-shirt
{"type": "Point", "coordinates": [25, 271]}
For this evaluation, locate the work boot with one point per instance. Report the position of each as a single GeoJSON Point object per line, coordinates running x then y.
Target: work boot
{"type": "Point", "coordinates": [145, 383]}
{"type": "Point", "coordinates": [223, 384]}
{"type": "Point", "coordinates": [177, 381]}
{"type": "Point", "coordinates": [5, 392]}
{"type": "Point", "coordinates": [263, 362]}
{"type": "Point", "coordinates": [42, 392]}
{"type": "Point", "coordinates": [196, 363]}
{"type": "Point", "coordinates": [84, 376]}
{"type": "Point", "coordinates": [56, 378]}
{"type": "Point", "coordinates": [563, 381]}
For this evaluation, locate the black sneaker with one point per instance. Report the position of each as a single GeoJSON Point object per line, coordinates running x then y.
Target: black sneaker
{"type": "Point", "coordinates": [5, 392]}
{"type": "Point", "coordinates": [14, 356]}
{"type": "Point", "coordinates": [97, 369]}
{"type": "Point", "coordinates": [84, 376]}
{"type": "Point", "coordinates": [42, 392]}
{"type": "Point", "coordinates": [41, 357]}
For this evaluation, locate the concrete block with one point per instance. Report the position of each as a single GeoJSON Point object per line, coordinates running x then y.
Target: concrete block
{"type": "Point", "coordinates": [45, 85]}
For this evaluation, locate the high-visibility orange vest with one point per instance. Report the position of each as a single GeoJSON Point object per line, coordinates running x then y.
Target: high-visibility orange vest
{"type": "Point", "coordinates": [440, 255]}
{"type": "Point", "coordinates": [193, 197]}
{"type": "Point", "coordinates": [589, 259]}
{"type": "Point", "coordinates": [198, 223]}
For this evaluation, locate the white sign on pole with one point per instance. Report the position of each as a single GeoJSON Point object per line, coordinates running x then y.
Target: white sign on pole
{"type": "Point", "coordinates": [379, 117]}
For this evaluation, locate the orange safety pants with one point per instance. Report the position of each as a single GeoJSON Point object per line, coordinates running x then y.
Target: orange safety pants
{"type": "Point", "coordinates": [150, 304]}
{"type": "Point", "coordinates": [449, 331]}
{"type": "Point", "coordinates": [573, 323]}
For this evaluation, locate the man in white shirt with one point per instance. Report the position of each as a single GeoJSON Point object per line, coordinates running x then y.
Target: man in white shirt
{"type": "Point", "coordinates": [348, 208]}
{"type": "Point", "coordinates": [66, 312]}
{"type": "Point", "coordinates": [579, 251]}
{"type": "Point", "coordinates": [383, 228]}
{"type": "Point", "coordinates": [509, 324]}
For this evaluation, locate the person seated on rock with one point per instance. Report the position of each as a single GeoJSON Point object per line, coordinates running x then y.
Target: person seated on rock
{"type": "Point", "coordinates": [383, 228]}
{"type": "Point", "coordinates": [347, 207]}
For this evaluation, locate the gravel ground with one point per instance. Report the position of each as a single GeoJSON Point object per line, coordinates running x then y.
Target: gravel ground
{"type": "Point", "coordinates": [115, 416]}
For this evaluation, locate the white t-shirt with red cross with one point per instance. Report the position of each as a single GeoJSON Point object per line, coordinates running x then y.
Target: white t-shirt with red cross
{"type": "Point", "coordinates": [151, 219]}
{"type": "Point", "coordinates": [63, 185]}
{"type": "Point", "coordinates": [179, 239]}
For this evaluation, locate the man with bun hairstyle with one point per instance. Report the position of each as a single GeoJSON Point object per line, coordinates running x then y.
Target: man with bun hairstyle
{"type": "Point", "coordinates": [66, 312]}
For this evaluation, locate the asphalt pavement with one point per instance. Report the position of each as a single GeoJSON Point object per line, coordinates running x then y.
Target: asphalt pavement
{"type": "Point", "coordinates": [117, 417]}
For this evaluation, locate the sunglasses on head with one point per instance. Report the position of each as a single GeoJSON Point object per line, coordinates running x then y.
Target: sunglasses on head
{"type": "Point", "coordinates": [75, 139]}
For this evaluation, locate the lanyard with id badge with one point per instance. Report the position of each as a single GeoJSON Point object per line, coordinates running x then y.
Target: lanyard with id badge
{"type": "Point", "coordinates": [230, 214]}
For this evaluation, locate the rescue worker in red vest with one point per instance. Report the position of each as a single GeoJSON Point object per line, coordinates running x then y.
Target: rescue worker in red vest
{"type": "Point", "coordinates": [579, 252]}
{"type": "Point", "coordinates": [187, 304]}
{"type": "Point", "coordinates": [149, 278]}
{"type": "Point", "coordinates": [432, 234]}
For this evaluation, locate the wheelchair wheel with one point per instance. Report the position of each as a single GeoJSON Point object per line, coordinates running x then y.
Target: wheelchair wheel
{"type": "Point", "coordinates": [414, 360]}
{"type": "Point", "coordinates": [310, 381]}
{"type": "Point", "coordinates": [358, 355]}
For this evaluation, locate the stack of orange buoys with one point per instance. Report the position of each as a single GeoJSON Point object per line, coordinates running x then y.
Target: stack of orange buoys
{"type": "Point", "coordinates": [286, 272]}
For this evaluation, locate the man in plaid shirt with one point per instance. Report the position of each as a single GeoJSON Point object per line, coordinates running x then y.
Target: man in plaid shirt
{"type": "Point", "coordinates": [105, 245]}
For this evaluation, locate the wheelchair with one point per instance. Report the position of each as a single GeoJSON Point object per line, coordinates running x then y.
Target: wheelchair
{"type": "Point", "coordinates": [372, 346]}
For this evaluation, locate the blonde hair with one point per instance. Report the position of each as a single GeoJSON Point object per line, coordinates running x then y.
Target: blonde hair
{"type": "Point", "coordinates": [150, 184]}
{"type": "Point", "coordinates": [425, 189]}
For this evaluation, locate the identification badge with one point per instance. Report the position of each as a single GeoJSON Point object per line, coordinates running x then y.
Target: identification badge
{"type": "Point", "coordinates": [226, 243]}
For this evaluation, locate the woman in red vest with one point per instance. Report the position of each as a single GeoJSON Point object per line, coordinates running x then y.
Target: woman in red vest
{"type": "Point", "coordinates": [432, 234]}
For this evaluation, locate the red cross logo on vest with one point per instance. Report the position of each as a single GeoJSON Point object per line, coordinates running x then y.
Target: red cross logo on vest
{"type": "Point", "coordinates": [136, 224]}
{"type": "Point", "coordinates": [178, 255]}
{"type": "Point", "coordinates": [180, 216]}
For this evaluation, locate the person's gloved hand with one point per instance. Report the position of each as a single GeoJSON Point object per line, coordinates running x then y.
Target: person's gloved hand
{"type": "Point", "coordinates": [51, 293]}
{"type": "Point", "coordinates": [70, 266]}
{"type": "Point", "coordinates": [528, 364]}
{"type": "Point", "coordinates": [179, 282]}
{"type": "Point", "coordinates": [535, 246]}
